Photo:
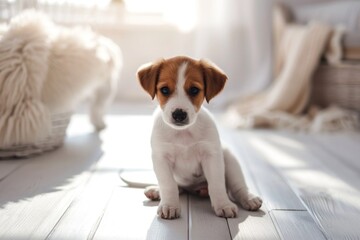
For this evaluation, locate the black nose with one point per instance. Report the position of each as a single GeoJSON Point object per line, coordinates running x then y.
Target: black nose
{"type": "Point", "coordinates": [179, 115]}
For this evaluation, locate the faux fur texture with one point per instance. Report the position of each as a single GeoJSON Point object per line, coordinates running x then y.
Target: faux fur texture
{"type": "Point", "coordinates": [47, 69]}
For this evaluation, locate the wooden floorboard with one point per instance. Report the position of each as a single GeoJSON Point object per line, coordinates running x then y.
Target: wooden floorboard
{"type": "Point", "coordinates": [253, 225]}
{"type": "Point", "coordinates": [333, 163]}
{"type": "Point", "coordinates": [343, 149]}
{"type": "Point", "coordinates": [338, 205]}
{"type": "Point", "coordinates": [8, 166]}
{"type": "Point", "coordinates": [296, 225]}
{"type": "Point", "coordinates": [321, 183]}
{"type": "Point", "coordinates": [276, 192]}
{"type": "Point", "coordinates": [203, 223]}
{"type": "Point", "coordinates": [130, 215]}
{"type": "Point", "coordinates": [81, 218]}
{"type": "Point", "coordinates": [34, 197]}
{"type": "Point", "coordinates": [310, 185]}
{"type": "Point", "coordinates": [246, 225]}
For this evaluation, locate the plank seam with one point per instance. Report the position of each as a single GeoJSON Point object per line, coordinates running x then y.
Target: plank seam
{"type": "Point", "coordinates": [277, 171]}
{"type": "Point", "coordinates": [73, 201]}
{"type": "Point", "coordinates": [15, 169]}
{"type": "Point", "coordinates": [97, 223]}
{"type": "Point", "coordinates": [288, 210]}
{"type": "Point", "coordinates": [297, 193]}
{"type": "Point", "coordinates": [188, 216]}
{"type": "Point", "coordinates": [227, 224]}
{"type": "Point", "coordinates": [232, 141]}
{"type": "Point", "coordinates": [282, 176]}
{"type": "Point", "coordinates": [273, 219]}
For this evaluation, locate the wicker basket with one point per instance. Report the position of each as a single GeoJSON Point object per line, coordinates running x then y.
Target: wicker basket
{"type": "Point", "coordinates": [59, 124]}
{"type": "Point", "coordinates": [339, 85]}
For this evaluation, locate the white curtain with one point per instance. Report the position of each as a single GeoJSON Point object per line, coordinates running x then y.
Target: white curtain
{"type": "Point", "coordinates": [236, 35]}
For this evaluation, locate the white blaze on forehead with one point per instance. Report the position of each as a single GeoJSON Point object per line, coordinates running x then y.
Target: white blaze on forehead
{"type": "Point", "coordinates": [179, 100]}
{"type": "Point", "coordinates": [181, 78]}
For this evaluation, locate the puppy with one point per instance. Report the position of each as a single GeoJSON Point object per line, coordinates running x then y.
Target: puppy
{"type": "Point", "coordinates": [186, 148]}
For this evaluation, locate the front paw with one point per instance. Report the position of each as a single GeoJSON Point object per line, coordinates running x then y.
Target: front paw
{"type": "Point", "coordinates": [168, 210]}
{"type": "Point", "coordinates": [227, 210]}
{"type": "Point", "coordinates": [251, 202]}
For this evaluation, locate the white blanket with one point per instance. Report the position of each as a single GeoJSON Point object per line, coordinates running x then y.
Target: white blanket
{"type": "Point", "coordinates": [298, 51]}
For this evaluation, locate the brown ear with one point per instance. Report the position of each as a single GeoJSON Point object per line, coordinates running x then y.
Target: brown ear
{"type": "Point", "coordinates": [214, 79]}
{"type": "Point", "coordinates": [148, 75]}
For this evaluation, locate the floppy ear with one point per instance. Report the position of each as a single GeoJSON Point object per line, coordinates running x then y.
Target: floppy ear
{"type": "Point", "coordinates": [214, 79]}
{"type": "Point", "coordinates": [148, 75]}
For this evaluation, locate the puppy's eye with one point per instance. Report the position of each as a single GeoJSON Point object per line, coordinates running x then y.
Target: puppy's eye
{"type": "Point", "coordinates": [193, 91]}
{"type": "Point", "coordinates": [165, 91]}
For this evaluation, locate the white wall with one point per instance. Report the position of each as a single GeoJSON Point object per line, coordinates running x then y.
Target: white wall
{"type": "Point", "coordinates": [235, 35]}
{"type": "Point", "coordinates": [142, 44]}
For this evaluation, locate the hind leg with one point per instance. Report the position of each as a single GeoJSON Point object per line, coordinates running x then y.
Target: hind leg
{"type": "Point", "coordinates": [236, 184]}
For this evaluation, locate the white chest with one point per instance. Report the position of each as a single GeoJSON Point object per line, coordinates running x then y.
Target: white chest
{"type": "Point", "coordinates": [184, 151]}
{"type": "Point", "coordinates": [185, 161]}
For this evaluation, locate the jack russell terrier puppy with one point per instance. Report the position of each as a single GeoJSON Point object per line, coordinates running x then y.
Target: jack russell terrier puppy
{"type": "Point", "coordinates": [186, 148]}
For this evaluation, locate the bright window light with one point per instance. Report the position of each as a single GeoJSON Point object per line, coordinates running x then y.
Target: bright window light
{"type": "Point", "coordinates": [145, 6]}
{"type": "Point", "coordinates": [181, 13]}
{"type": "Point", "coordinates": [83, 3]}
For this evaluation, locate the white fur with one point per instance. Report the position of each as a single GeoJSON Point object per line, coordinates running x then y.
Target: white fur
{"type": "Point", "coordinates": [187, 157]}
{"type": "Point", "coordinates": [47, 69]}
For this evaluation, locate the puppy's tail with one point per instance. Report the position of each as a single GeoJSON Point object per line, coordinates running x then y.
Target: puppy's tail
{"type": "Point", "coordinates": [24, 53]}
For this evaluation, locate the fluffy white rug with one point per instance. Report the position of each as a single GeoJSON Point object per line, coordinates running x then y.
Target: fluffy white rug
{"type": "Point", "coordinates": [47, 69]}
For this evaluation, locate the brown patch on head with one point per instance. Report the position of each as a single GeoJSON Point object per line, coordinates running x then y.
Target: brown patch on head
{"type": "Point", "coordinates": [203, 80]}
{"type": "Point", "coordinates": [214, 79]}
{"type": "Point", "coordinates": [194, 84]}
{"type": "Point", "coordinates": [148, 75]}
{"type": "Point", "coordinates": [167, 81]}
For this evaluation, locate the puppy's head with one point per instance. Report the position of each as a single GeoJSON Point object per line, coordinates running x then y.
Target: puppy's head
{"type": "Point", "coordinates": [181, 84]}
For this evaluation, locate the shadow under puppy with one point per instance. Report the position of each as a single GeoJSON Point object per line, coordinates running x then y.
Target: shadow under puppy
{"type": "Point", "coordinates": [186, 148]}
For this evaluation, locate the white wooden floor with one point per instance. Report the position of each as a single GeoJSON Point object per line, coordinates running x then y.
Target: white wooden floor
{"type": "Point", "coordinates": [310, 185]}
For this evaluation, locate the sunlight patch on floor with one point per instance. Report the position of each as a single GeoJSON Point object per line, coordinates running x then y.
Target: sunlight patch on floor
{"type": "Point", "coordinates": [276, 156]}
{"type": "Point", "coordinates": [300, 172]}
{"type": "Point", "coordinates": [126, 138]}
